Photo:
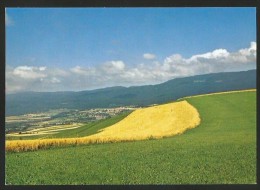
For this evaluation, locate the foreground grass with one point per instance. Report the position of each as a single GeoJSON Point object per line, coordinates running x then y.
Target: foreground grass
{"type": "Point", "coordinates": [221, 150]}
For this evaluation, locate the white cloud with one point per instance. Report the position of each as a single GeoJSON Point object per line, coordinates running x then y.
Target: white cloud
{"type": "Point", "coordinates": [27, 72]}
{"type": "Point", "coordinates": [83, 71]}
{"type": "Point", "coordinates": [219, 60]}
{"type": "Point", "coordinates": [216, 54]}
{"type": "Point", "coordinates": [112, 67]}
{"type": "Point", "coordinates": [117, 65]}
{"type": "Point", "coordinates": [78, 70]}
{"type": "Point", "coordinates": [149, 56]}
{"type": "Point", "coordinates": [55, 80]}
{"type": "Point", "coordinates": [250, 50]}
{"type": "Point", "coordinates": [117, 72]}
{"type": "Point", "coordinates": [42, 68]}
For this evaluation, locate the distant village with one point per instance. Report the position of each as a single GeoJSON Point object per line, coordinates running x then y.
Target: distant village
{"type": "Point", "coordinates": [61, 117]}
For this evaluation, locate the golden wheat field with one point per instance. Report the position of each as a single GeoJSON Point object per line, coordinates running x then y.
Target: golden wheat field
{"type": "Point", "coordinates": [157, 122]}
{"type": "Point", "coordinates": [144, 123]}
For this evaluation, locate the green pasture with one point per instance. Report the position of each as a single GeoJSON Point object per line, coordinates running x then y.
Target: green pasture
{"type": "Point", "coordinates": [221, 150]}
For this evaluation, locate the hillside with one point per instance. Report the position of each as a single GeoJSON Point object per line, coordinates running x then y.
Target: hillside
{"type": "Point", "coordinates": [224, 143]}
{"type": "Point", "coordinates": [153, 122]}
{"type": "Point", "coordinates": [29, 102]}
{"type": "Point", "coordinates": [142, 124]}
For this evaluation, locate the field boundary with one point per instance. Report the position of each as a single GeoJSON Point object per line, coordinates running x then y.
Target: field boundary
{"type": "Point", "coordinates": [215, 93]}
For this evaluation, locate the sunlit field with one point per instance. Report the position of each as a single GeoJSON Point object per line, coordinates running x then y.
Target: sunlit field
{"type": "Point", "coordinates": [221, 150]}
{"type": "Point", "coordinates": [46, 130]}
{"type": "Point", "coordinates": [145, 123]}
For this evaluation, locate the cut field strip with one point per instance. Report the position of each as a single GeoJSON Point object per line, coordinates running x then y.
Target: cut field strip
{"type": "Point", "coordinates": [145, 123]}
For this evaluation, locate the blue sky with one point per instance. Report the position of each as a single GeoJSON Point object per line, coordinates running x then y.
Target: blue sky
{"type": "Point", "coordinates": [84, 43]}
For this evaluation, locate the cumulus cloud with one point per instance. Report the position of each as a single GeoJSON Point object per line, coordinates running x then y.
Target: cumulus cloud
{"type": "Point", "coordinates": [113, 67]}
{"type": "Point", "coordinates": [149, 56]}
{"type": "Point", "coordinates": [216, 54]}
{"type": "Point", "coordinates": [81, 71]}
{"type": "Point", "coordinates": [117, 72]}
{"type": "Point", "coordinates": [29, 72]}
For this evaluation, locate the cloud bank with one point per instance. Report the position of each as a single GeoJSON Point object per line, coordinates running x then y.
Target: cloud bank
{"type": "Point", "coordinates": [117, 72]}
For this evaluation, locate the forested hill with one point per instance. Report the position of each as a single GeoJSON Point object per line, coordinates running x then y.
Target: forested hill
{"type": "Point", "coordinates": [29, 102]}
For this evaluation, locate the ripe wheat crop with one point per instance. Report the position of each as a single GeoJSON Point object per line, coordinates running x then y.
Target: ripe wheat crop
{"type": "Point", "coordinates": [144, 123]}
{"type": "Point", "coordinates": [154, 122]}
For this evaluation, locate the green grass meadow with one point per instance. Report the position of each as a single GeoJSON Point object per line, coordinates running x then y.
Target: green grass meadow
{"type": "Point", "coordinates": [221, 150]}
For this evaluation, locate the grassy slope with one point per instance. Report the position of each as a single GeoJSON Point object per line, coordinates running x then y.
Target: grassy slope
{"type": "Point", "coordinates": [221, 150]}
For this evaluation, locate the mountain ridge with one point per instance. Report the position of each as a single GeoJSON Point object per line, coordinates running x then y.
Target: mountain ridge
{"type": "Point", "coordinates": [30, 102]}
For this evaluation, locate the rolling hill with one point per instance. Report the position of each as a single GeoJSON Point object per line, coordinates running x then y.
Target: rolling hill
{"type": "Point", "coordinates": [224, 143]}
{"type": "Point", "coordinates": [30, 102]}
{"type": "Point", "coordinates": [144, 123]}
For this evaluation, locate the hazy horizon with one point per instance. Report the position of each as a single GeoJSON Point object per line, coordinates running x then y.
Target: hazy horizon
{"type": "Point", "coordinates": [8, 93]}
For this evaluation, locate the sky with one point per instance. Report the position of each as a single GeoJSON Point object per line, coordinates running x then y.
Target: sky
{"type": "Point", "coordinates": [74, 49]}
